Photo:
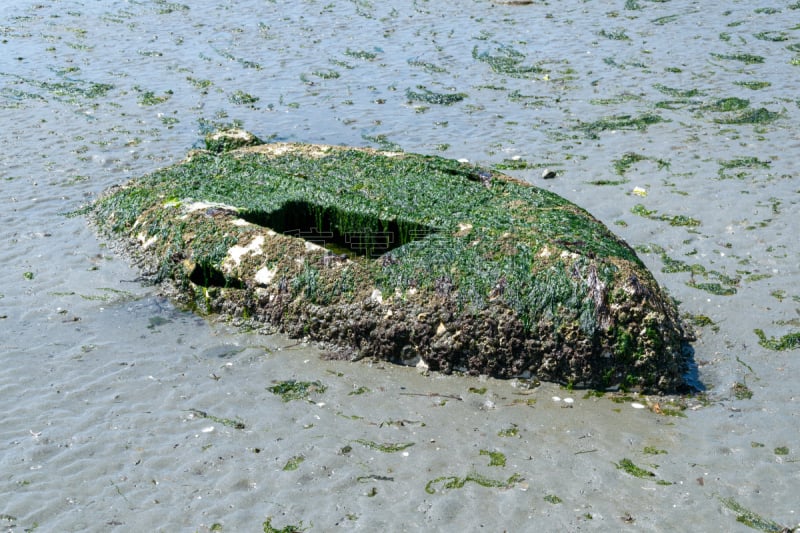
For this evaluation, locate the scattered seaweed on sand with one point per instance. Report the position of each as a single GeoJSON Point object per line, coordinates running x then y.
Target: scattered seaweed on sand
{"type": "Point", "coordinates": [296, 390]}
{"type": "Point", "coordinates": [289, 528]}
{"type": "Point", "coordinates": [495, 458]}
{"type": "Point", "coordinates": [629, 467]}
{"type": "Point", "coordinates": [752, 519]}
{"type": "Point", "coordinates": [790, 341]}
{"type": "Point", "coordinates": [384, 447]}
{"type": "Point", "coordinates": [422, 94]}
{"type": "Point", "coordinates": [620, 122]}
{"type": "Point", "coordinates": [293, 463]}
{"type": "Point", "coordinates": [230, 422]}
{"type": "Point", "coordinates": [455, 482]}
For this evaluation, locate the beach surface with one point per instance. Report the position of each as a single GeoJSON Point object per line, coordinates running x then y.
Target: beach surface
{"type": "Point", "coordinates": [674, 123]}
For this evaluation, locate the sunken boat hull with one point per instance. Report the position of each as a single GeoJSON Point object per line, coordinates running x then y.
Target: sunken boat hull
{"type": "Point", "coordinates": [401, 257]}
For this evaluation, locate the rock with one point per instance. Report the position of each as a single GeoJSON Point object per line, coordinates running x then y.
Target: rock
{"type": "Point", "coordinates": [402, 257]}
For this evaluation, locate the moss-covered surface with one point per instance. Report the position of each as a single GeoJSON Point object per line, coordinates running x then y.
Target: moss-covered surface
{"type": "Point", "coordinates": [401, 257]}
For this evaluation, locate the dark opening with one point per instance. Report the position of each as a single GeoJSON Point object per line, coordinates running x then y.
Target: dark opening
{"type": "Point", "coordinates": [208, 276]}
{"type": "Point", "coordinates": [340, 231]}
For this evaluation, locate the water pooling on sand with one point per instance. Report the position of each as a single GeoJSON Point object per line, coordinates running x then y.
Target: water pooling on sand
{"type": "Point", "coordinates": [672, 122]}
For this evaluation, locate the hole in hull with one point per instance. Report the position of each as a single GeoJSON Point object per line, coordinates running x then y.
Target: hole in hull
{"type": "Point", "coordinates": [340, 231]}
{"type": "Point", "coordinates": [208, 276]}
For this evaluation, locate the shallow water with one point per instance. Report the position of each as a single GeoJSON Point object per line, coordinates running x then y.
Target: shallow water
{"type": "Point", "coordinates": [103, 382]}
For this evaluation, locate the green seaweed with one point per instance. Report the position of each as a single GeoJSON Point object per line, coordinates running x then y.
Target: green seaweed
{"type": "Point", "coordinates": [616, 35]}
{"type": "Point", "coordinates": [382, 142]}
{"type": "Point", "coordinates": [424, 95]}
{"type": "Point", "coordinates": [701, 321]}
{"type": "Point", "coordinates": [744, 162]}
{"type": "Point", "coordinates": [70, 90]}
{"type": "Point", "coordinates": [751, 519]}
{"type": "Point", "coordinates": [235, 424]}
{"type": "Point", "coordinates": [752, 116]}
{"type": "Point", "coordinates": [508, 61]}
{"type": "Point", "coordinates": [289, 528]}
{"type": "Point", "coordinates": [512, 164]}
{"type": "Point", "coordinates": [326, 74]}
{"type": "Point", "coordinates": [165, 7]}
{"type": "Point", "coordinates": [660, 21]}
{"type": "Point", "coordinates": [781, 450]}
{"type": "Point", "coordinates": [384, 447]}
{"type": "Point", "coordinates": [240, 97]}
{"type": "Point", "coordinates": [628, 159]}
{"type": "Point", "coordinates": [728, 104]}
{"type": "Point", "coordinates": [243, 62]}
{"type": "Point", "coordinates": [361, 54]}
{"type": "Point", "coordinates": [293, 463]}
{"type": "Point", "coordinates": [713, 288]}
{"type": "Point", "coordinates": [148, 98]}
{"type": "Point", "coordinates": [748, 59]}
{"type": "Point", "coordinates": [454, 482]}
{"type": "Point", "coordinates": [512, 431]}
{"type": "Point", "coordinates": [495, 458]}
{"type": "Point", "coordinates": [741, 391]}
{"type": "Point", "coordinates": [620, 122]}
{"type": "Point", "coordinates": [627, 466]}
{"type": "Point", "coordinates": [789, 341]}
{"type": "Point", "coordinates": [428, 67]}
{"type": "Point", "coordinates": [678, 93]}
{"type": "Point", "coordinates": [772, 36]}
{"type": "Point", "coordinates": [651, 450]}
{"type": "Point", "coordinates": [675, 220]}
{"type": "Point", "coordinates": [296, 390]}
{"type": "Point", "coordinates": [778, 294]}
{"type": "Point", "coordinates": [552, 498]}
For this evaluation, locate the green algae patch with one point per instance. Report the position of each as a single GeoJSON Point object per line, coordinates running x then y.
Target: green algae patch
{"type": "Point", "coordinates": [628, 159]}
{"type": "Point", "coordinates": [629, 467]}
{"type": "Point", "coordinates": [385, 447]}
{"type": "Point", "coordinates": [675, 220]}
{"type": "Point", "coordinates": [620, 122]}
{"type": "Point", "coordinates": [289, 528]}
{"type": "Point", "coordinates": [750, 116]}
{"type": "Point", "coordinates": [233, 423]}
{"type": "Point", "coordinates": [455, 482]}
{"type": "Point", "coordinates": [400, 257]}
{"type": "Point", "coordinates": [293, 463]}
{"type": "Point", "coordinates": [748, 59]}
{"type": "Point", "coordinates": [422, 94]}
{"type": "Point", "coordinates": [296, 390]}
{"type": "Point", "coordinates": [789, 341]}
{"type": "Point", "coordinates": [513, 431]}
{"type": "Point", "coordinates": [508, 61]}
{"type": "Point", "coordinates": [751, 518]}
{"type": "Point", "coordinates": [495, 458]}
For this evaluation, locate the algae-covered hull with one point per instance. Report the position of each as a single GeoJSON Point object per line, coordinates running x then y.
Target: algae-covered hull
{"type": "Point", "coordinates": [402, 257]}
